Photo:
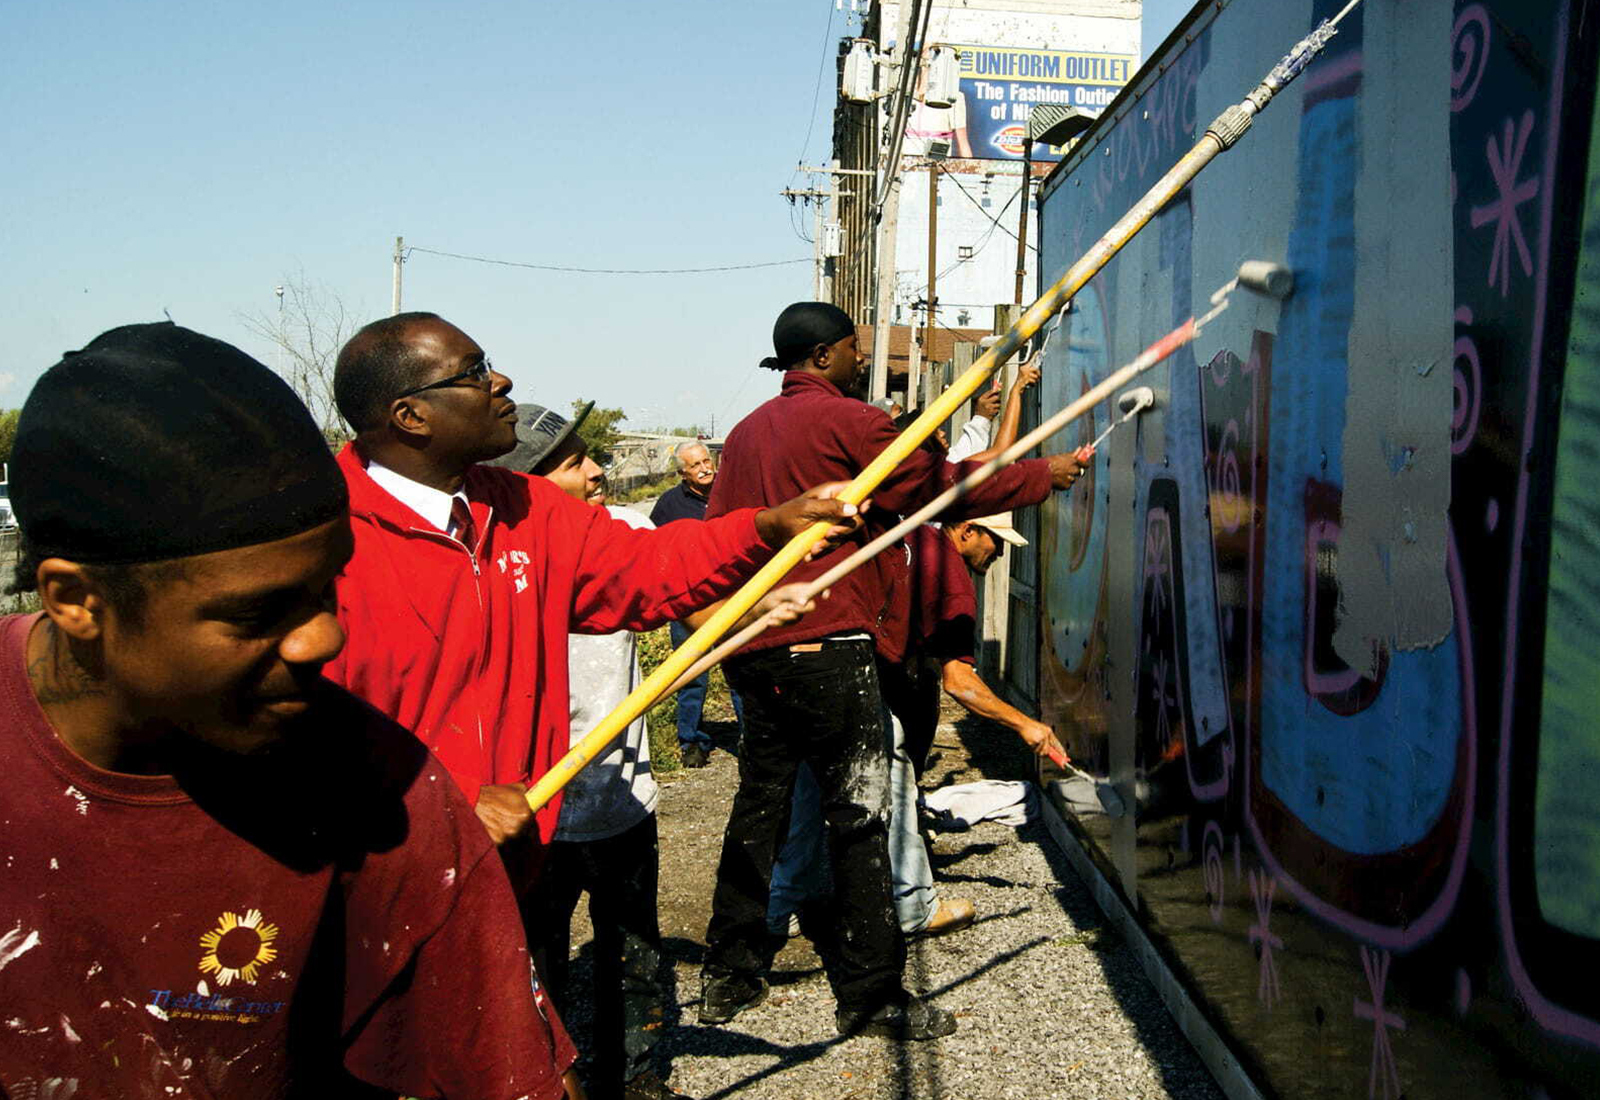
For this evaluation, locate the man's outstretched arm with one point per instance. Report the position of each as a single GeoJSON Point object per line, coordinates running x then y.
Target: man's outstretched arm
{"type": "Point", "coordinates": [639, 579]}
{"type": "Point", "coordinates": [966, 687]}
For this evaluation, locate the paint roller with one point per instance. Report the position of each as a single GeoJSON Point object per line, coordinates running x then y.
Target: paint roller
{"type": "Point", "coordinates": [1272, 280]}
{"type": "Point", "coordinates": [1130, 404]}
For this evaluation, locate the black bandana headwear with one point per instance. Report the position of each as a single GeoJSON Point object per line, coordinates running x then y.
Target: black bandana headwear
{"type": "Point", "coordinates": [155, 442]}
{"type": "Point", "coordinates": [801, 327]}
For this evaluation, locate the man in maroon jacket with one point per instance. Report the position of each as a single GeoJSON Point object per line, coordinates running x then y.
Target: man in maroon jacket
{"type": "Point", "coordinates": [811, 690]}
{"type": "Point", "coordinates": [224, 877]}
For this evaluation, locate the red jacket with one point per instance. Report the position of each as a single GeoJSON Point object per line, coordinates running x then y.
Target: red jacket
{"type": "Point", "coordinates": [469, 650]}
{"type": "Point", "coordinates": [812, 433]}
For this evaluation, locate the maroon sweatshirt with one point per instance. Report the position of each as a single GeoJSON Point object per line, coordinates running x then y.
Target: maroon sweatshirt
{"type": "Point", "coordinates": [812, 433]}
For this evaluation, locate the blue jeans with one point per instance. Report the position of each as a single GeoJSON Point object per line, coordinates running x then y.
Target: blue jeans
{"type": "Point", "coordinates": [801, 872]}
{"type": "Point", "coordinates": [692, 700]}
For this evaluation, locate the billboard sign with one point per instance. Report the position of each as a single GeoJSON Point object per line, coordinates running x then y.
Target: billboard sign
{"type": "Point", "coordinates": [1000, 87]}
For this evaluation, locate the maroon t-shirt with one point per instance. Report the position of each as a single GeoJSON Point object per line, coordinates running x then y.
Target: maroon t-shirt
{"type": "Point", "coordinates": [282, 925]}
{"type": "Point", "coordinates": [810, 434]}
{"type": "Point", "coordinates": [933, 603]}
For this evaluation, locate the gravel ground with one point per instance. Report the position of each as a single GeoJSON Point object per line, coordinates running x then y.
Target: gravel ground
{"type": "Point", "coordinates": [1049, 1002]}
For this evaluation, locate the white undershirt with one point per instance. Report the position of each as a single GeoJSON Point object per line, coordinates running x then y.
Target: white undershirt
{"type": "Point", "coordinates": [974, 438]}
{"type": "Point", "coordinates": [431, 504]}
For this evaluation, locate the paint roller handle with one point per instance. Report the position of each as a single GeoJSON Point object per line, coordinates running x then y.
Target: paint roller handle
{"type": "Point", "coordinates": [987, 403]}
{"type": "Point", "coordinates": [1084, 454]}
{"type": "Point", "coordinates": [1042, 740]}
{"type": "Point", "coordinates": [1065, 469]}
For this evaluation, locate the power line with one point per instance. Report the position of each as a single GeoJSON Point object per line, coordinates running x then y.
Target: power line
{"type": "Point", "coordinates": [953, 178]}
{"type": "Point", "coordinates": [607, 270]}
{"type": "Point", "coordinates": [816, 93]}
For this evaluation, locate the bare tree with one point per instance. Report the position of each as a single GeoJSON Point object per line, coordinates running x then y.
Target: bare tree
{"type": "Point", "coordinates": [306, 332]}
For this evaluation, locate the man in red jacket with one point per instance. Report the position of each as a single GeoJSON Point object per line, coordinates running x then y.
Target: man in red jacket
{"type": "Point", "coordinates": [467, 579]}
{"type": "Point", "coordinates": [811, 691]}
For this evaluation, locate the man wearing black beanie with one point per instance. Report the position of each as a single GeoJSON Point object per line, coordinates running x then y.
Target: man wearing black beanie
{"type": "Point", "coordinates": [811, 692]}
{"type": "Point", "coordinates": [223, 875]}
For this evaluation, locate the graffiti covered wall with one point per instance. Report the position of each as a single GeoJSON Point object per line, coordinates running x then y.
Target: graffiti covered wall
{"type": "Point", "coordinates": [1325, 613]}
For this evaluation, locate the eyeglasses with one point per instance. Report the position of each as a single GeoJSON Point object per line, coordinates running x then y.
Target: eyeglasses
{"type": "Point", "coordinates": [475, 376]}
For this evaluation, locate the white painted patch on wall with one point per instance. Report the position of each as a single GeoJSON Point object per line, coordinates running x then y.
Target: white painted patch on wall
{"type": "Point", "coordinates": [1400, 395]}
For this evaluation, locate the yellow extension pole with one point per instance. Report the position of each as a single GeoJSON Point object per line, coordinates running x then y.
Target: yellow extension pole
{"type": "Point", "coordinates": [1225, 130]}
{"type": "Point", "coordinates": [1032, 320]}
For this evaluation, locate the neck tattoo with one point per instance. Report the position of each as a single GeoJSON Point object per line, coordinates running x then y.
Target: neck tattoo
{"type": "Point", "coordinates": [56, 676]}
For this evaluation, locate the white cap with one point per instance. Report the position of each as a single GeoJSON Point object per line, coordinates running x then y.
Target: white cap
{"type": "Point", "coordinates": [999, 525]}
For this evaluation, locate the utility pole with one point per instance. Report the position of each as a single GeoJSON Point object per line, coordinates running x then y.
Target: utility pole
{"type": "Point", "coordinates": [833, 171]}
{"type": "Point", "coordinates": [815, 197]}
{"type": "Point", "coordinates": [933, 281]}
{"type": "Point", "coordinates": [1022, 218]}
{"type": "Point", "coordinates": [889, 217]}
{"type": "Point", "coordinates": [399, 258]}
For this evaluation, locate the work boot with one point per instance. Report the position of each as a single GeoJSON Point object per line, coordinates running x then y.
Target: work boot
{"type": "Point", "coordinates": [648, 1086]}
{"type": "Point", "coordinates": [948, 916]}
{"type": "Point", "coordinates": [694, 756]}
{"type": "Point", "coordinates": [723, 998]}
{"type": "Point", "coordinates": [912, 1020]}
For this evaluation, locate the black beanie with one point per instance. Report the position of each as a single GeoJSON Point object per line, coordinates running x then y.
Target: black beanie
{"type": "Point", "coordinates": [801, 327]}
{"type": "Point", "coordinates": [155, 442]}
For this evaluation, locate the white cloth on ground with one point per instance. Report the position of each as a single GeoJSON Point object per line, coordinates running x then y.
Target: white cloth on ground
{"type": "Point", "coordinates": [963, 805]}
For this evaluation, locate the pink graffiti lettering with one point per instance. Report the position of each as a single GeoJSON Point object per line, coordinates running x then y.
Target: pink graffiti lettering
{"type": "Point", "coordinates": [1211, 866]}
{"type": "Point", "coordinates": [1262, 887]}
{"type": "Point", "coordinates": [1468, 387]}
{"type": "Point", "coordinates": [1384, 1078]}
{"type": "Point", "coordinates": [1505, 164]}
{"type": "Point", "coordinates": [1469, 55]}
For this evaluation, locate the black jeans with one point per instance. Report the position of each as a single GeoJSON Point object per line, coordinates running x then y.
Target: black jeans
{"type": "Point", "coordinates": [620, 874]}
{"type": "Point", "coordinates": [823, 708]}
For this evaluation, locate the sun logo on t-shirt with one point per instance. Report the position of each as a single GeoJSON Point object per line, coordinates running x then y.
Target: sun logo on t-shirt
{"type": "Point", "coordinates": [238, 947]}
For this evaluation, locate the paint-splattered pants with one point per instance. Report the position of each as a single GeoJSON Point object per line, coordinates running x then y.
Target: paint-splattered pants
{"type": "Point", "coordinates": [801, 872]}
{"type": "Point", "coordinates": [823, 708]}
{"type": "Point", "coordinates": [620, 875]}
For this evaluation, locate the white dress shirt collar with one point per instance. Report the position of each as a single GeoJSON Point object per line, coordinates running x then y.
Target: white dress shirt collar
{"type": "Point", "coordinates": [431, 504]}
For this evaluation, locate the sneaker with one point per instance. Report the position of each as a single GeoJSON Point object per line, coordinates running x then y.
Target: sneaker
{"type": "Point", "coordinates": [721, 999]}
{"type": "Point", "coordinates": [948, 916]}
{"type": "Point", "coordinates": [648, 1086]}
{"type": "Point", "coordinates": [788, 929]}
{"type": "Point", "coordinates": [694, 756]}
{"type": "Point", "coordinates": [911, 1021]}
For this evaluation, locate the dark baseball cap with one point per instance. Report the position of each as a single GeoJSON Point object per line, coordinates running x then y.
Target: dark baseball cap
{"type": "Point", "coordinates": [539, 432]}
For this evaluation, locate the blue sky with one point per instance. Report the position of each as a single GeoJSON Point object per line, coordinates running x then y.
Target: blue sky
{"type": "Point", "coordinates": [189, 157]}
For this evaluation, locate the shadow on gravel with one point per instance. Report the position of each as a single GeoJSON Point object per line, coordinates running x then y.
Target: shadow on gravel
{"type": "Point", "coordinates": [915, 1065]}
{"type": "Point", "coordinates": [715, 1042]}
{"type": "Point", "coordinates": [993, 754]}
{"type": "Point", "coordinates": [950, 859]}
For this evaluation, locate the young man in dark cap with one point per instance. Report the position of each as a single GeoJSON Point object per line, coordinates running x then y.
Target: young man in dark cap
{"type": "Point", "coordinates": [467, 579]}
{"type": "Point", "coordinates": [811, 691]}
{"type": "Point", "coordinates": [223, 875]}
